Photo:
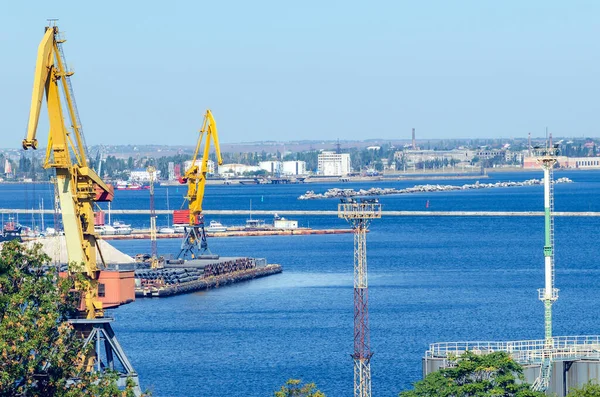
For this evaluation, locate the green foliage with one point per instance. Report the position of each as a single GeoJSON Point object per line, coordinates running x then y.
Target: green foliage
{"type": "Point", "coordinates": [588, 390]}
{"type": "Point", "coordinates": [39, 350]}
{"type": "Point", "coordinates": [294, 388]}
{"type": "Point", "coordinates": [494, 374]}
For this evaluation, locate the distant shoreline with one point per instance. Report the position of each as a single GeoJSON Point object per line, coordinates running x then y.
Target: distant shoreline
{"type": "Point", "coordinates": [431, 175]}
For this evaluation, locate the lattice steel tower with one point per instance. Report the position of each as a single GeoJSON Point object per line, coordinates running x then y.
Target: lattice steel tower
{"type": "Point", "coordinates": [548, 294]}
{"type": "Point", "coordinates": [359, 215]}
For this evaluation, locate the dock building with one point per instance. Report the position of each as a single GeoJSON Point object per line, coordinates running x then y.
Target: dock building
{"type": "Point", "coordinates": [333, 164]}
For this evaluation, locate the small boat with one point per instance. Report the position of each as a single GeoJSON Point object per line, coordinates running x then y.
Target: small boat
{"type": "Point", "coordinates": [11, 231]}
{"type": "Point", "coordinates": [215, 226]}
{"type": "Point", "coordinates": [180, 227]}
{"type": "Point", "coordinates": [122, 228]}
{"type": "Point", "coordinates": [104, 230]}
{"type": "Point", "coordinates": [255, 224]}
{"type": "Point", "coordinates": [166, 230]}
{"type": "Point", "coordinates": [117, 229]}
{"type": "Point", "coordinates": [126, 185]}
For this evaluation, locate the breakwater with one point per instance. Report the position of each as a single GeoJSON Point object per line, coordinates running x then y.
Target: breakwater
{"type": "Point", "coordinates": [335, 213]}
{"type": "Point", "coordinates": [376, 191]}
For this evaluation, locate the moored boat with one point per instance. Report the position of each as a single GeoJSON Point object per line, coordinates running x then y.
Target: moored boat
{"type": "Point", "coordinates": [215, 226]}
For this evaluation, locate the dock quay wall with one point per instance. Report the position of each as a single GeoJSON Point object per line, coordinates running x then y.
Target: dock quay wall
{"type": "Point", "coordinates": [145, 234]}
{"type": "Point", "coordinates": [211, 282]}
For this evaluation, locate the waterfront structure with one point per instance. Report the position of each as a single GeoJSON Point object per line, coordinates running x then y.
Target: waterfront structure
{"type": "Point", "coordinates": [272, 167]}
{"type": "Point", "coordinates": [567, 162]}
{"type": "Point", "coordinates": [333, 164]}
{"type": "Point", "coordinates": [171, 169]}
{"type": "Point", "coordinates": [295, 167]}
{"type": "Point", "coordinates": [413, 157]}
{"type": "Point", "coordinates": [210, 166]}
{"type": "Point", "coordinates": [236, 169]}
{"type": "Point", "coordinates": [143, 175]}
{"type": "Point", "coordinates": [556, 363]}
{"type": "Point", "coordinates": [359, 215]}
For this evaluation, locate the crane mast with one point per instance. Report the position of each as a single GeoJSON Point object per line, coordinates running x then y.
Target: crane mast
{"type": "Point", "coordinates": [78, 188]}
{"type": "Point", "coordinates": [195, 177]}
{"type": "Point", "coordinates": [78, 185]}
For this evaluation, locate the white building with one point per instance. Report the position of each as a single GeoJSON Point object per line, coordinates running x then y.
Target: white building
{"type": "Point", "coordinates": [333, 164]}
{"type": "Point", "coordinates": [272, 167]}
{"type": "Point", "coordinates": [294, 168]}
{"type": "Point", "coordinates": [236, 169]}
{"type": "Point", "coordinates": [141, 175]}
{"type": "Point", "coordinates": [210, 165]}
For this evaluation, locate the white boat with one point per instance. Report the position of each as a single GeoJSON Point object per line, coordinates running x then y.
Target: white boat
{"type": "Point", "coordinates": [166, 230]}
{"type": "Point", "coordinates": [215, 226]}
{"type": "Point", "coordinates": [179, 227]}
{"type": "Point", "coordinates": [117, 228]}
{"type": "Point", "coordinates": [105, 230]}
{"type": "Point", "coordinates": [122, 228]}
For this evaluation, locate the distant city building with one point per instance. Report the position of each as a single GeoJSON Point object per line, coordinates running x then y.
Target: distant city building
{"type": "Point", "coordinates": [272, 167]}
{"type": "Point", "coordinates": [566, 162]}
{"type": "Point", "coordinates": [7, 167]}
{"type": "Point", "coordinates": [413, 157]}
{"type": "Point", "coordinates": [294, 168]}
{"type": "Point", "coordinates": [210, 166]}
{"type": "Point", "coordinates": [141, 175]}
{"type": "Point", "coordinates": [171, 171]}
{"type": "Point", "coordinates": [485, 154]}
{"type": "Point", "coordinates": [514, 157]}
{"type": "Point", "coordinates": [236, 169]}
{"type": "Point", "coordinates": [333, 164]}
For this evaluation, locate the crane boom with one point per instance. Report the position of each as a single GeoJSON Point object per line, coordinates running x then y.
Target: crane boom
{"type": "Point", "coordinates": [78, 185]}
{"type": "Point", "coordinates": [195, 177]}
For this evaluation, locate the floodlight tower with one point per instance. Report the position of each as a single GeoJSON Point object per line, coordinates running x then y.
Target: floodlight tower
{"type": "Point", "coordinates": [359, 214]}
{"type": "Point", "coordinates": [548, 294]}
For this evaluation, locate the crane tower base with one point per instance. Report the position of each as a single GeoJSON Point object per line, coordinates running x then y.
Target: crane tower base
{"type": "Point", "coordinates": [108, 353]}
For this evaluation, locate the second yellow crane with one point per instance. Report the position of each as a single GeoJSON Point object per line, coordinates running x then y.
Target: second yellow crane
{"type": "Point", "coordinates": [194, 243]}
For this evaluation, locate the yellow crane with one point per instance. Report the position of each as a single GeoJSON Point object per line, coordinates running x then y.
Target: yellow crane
{"type": "Point", "coordinates": [78, 188]}
{"type": "Point", "coordinates": [195, 177]}
{"type": "Point", "coordinates": [78, 185]}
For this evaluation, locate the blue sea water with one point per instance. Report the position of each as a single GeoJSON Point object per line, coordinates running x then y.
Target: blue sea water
{"type": "Point", "coordinates": [431, 279]}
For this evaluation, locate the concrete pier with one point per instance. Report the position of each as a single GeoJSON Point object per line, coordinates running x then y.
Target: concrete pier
{"type": "Point", "coordinates": [328, 213]}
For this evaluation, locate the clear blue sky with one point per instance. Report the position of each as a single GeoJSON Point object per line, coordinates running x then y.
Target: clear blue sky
{"type": "Point", "coordinates": [288, 70]}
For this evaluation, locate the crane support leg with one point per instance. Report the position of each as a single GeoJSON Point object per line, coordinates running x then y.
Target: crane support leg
{"type": "Point", "coordinates": [99, 332]}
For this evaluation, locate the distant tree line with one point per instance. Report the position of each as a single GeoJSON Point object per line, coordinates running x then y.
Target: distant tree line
{"type": "Point", "coordinates": [363, 159]}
